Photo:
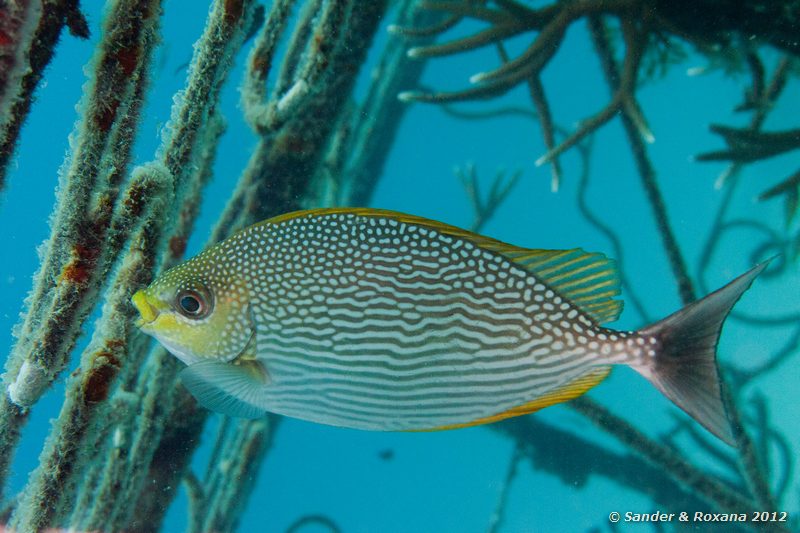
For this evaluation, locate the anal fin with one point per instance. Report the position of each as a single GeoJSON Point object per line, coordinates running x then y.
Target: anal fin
{"type": "Point", "coordinates": [569, 391]}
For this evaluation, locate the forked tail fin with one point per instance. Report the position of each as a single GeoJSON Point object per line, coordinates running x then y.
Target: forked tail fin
{"type": "Point", "coordinates": [685, 367]}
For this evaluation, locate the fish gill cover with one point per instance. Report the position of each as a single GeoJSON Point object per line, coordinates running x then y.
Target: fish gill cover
{"type": "Point", "coordinates": [329, 90]}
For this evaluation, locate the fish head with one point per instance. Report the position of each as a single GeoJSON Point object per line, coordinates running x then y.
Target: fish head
{"type": "Point", "coordinates": [197, 312]}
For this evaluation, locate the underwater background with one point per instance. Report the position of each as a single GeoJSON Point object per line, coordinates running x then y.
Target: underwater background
{"type": "Point", "coordinates": [504, 477]}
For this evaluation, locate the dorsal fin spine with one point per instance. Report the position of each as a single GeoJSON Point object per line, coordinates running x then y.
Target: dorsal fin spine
{"type": "Point", "coordinates": [572, 273]}
{"type": "Point", "coordinates": [587, 280]}
{"type": "Point", "coordinates": [560, 266]}
{"type": "Point", "coordinates": [589, 295]}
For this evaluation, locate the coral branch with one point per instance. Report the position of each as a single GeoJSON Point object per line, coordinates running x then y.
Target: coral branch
{"type": "Point", "coordinates": [283, 164]}
{"type": "Point", "coordinates": [787, 186]}
{"type": "Point", "coordinates": [188, 147]}
{"type": "Point", "coordinates": [703, 485]}
{"type": "Point", "coordinates": [94, 493]}
{"type": "Point", "coordinates": [539, 99]}
{"type": "Point", "coordinates": [575, 460]}
{"type": "Point", "coordinates": [496, 521]}
{"type": "Point", "coordinates": [259, 62]}
{"type": "Point", "coordinates": [742, 377]}
{"type": "Point", "coordinates": [77, 257]}
{"type": "Point", "coordinates": [747, 145]}
{"type": "Point", "coordinates": [29, 32]}
{"type": "Point", "coordinates": [730, 175]}
{"type": "Point", "coordinates": [170, 461]}
{"type": "Point", "coordinates": [231, 478]}
{"type": "Point", "coordinates": [419, 30]}
{"type": "Point", "coordinates": [643, 24]}
{"type": "Point", "coordinates": [484, 208]}
{"type": "Point", "coordinates": [643, 164]}
{"type": "Point", "coordinates": [487, 37]}
{"type": "Point", "coordinates": [533, 59]}
{"type": "Point", "coordinates": [375, 123]}
{"type": "Point", "coordinates": [45, 502]}
{"type": "Point", "coordinates": [66, 287]}
{"type": "Point", "coordinates": [624, 88]}
{"type": "Point", "coordinates": [474, 10]}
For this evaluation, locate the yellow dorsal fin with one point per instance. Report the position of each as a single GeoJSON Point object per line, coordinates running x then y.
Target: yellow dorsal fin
{"type": "Point", "coordinates": [570, 391]}
{"type": "Point", "coordinates": [589, 280]}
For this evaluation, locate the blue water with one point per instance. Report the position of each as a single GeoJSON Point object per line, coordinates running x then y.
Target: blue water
{"type": "Point", "coordinates": [450, 481]}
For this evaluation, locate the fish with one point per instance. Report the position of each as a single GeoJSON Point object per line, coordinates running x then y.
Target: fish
{"type": "Point", "coordinates": [378, 320]}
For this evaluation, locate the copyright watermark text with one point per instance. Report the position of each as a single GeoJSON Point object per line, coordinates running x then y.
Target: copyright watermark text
{"type": "Point", "coordinates": [698, 516]}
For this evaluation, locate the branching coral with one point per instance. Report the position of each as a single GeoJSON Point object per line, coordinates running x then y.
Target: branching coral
{"type": "Point", "coordinates": [45, 500]}
{"type": "Point", "coordinates": [29, 31]}
{"type": "Point", "coordinates": [484, 206]}
{"type": "Point", "coordinates": [644, 25]}
{"type": "Point", "coordinates": [102, 411]}
{"type": "Point", "coordinates": [89, 225]}
{"type": "Point", "coordinates": [750, 144]}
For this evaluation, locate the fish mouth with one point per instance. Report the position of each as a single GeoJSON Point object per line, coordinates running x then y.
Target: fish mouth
{"type": "Point", "coordinates": [148, 313]}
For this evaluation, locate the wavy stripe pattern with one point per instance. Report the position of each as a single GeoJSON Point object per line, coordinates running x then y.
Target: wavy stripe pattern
{"type": "Point", "coordinates": [378, 323]}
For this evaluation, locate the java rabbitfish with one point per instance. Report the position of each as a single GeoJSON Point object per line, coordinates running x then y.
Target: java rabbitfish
{"type": "Point", "coordinates": [378, 320]}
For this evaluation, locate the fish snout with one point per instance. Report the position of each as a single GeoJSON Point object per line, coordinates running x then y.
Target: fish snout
{"type": "Point", "coordinates": [147, 311]}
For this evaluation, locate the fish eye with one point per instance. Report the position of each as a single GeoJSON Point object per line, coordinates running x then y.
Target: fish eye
{"type": "Point", "coordinates": [193, 304]}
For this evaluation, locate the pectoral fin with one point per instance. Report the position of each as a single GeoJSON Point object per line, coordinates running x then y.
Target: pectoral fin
{"type": "Point", "coordinates": [233, 389]}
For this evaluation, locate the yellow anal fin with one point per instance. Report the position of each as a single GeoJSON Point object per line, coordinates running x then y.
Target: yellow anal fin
{"type": "Point", "coordinates": [570, 391]}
